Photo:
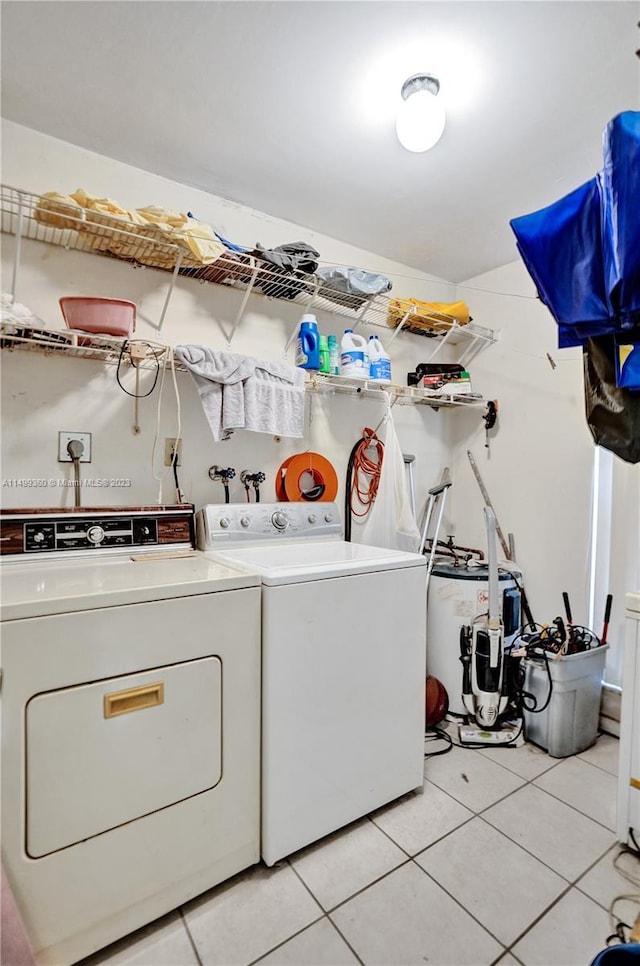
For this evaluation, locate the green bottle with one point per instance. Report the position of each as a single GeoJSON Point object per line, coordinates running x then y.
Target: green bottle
{"type": "Point", "coordinates": [323, 347]}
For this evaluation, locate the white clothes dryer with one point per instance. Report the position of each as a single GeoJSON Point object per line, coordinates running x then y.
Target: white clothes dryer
{"type": "Point", "coordinates": [343, 666]}
{"type": "Point", "coordinates": [130, 724]}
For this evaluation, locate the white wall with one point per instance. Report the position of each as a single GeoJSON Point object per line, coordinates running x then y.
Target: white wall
{"type": "Point", "coordinates": [42, 395]}
{"type": "Point", "coordinates": [538, 467]}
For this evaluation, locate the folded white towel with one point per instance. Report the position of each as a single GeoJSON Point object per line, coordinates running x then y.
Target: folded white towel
{"type": "Point", "coordinates": [240, 392]}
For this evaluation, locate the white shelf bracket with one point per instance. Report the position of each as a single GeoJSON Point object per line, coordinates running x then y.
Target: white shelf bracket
{"type": "Point", "coordinates": [16, 259]}
{"type": "Point", "coordinates": [472, 350]}
{"type": "Point", "coordinates": [445, 338]}
{"type": "Point", "coordinates": [401, 324]}
{"type": "Point", "coordinates": [316, 287]}
{"type": "Point", "coordinates": [360, 317]}
{"type": "Point", "coordinates": [255, 268]}
{"type": "Point", "coordinates": [172, 283]}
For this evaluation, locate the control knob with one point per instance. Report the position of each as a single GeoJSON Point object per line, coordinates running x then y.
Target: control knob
{"type": "Point", "coordinates": [328, 517]}
{"type": "Point", "coordinates": [224, 522]}
{"type": "Point", "coordinates": [95, 535]}
{"type": "Point", "coordinates": [280, 520]}
{"type": "Point", "coordinates": [38, 537]}
{"type": "Point", "coordinates": [244, 521]}
{"type": "Point", "coordinates": [312, 518]}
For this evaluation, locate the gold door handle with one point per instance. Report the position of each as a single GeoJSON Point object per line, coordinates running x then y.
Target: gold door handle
{"type": "Point", "coordinates": [133, 699]}
{"type": "Point", "coordinates": [634, 782]}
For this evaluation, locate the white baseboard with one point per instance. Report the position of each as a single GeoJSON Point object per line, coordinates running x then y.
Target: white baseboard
{"type": "Point", "coordinates": [610, 711]}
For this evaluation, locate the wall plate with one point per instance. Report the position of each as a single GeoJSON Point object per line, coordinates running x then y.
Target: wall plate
{"type": "Point", "coordinates": [65, 437]}
{"type": "Point", "coordinates": [169, 447]}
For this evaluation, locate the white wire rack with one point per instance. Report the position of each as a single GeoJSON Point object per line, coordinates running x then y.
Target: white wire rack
{"type": "Point", "coordinates": [71, 343]}
{"type": "Point", "coordinates": [405, 395]}
{"type": "Point", "coordinates": [35, 217]}
{"type": "Point", "coordinates": [109, 350]}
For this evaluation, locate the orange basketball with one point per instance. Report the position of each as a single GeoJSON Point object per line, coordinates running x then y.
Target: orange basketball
{"type": "Point", "coordinates": [436, 701]}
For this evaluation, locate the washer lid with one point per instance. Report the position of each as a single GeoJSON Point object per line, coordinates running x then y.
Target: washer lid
{"type": "Point", "coordinates": [308, 560]}
{"type": "Point", "coordinates": [36, 589]}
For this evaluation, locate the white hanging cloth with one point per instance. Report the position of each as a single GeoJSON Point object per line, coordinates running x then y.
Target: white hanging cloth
{"type": "Point", "coordinates": [390, 522]}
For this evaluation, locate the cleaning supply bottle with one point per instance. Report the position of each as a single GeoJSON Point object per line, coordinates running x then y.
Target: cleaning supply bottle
{"type": "Point", "coordinates": [323, 349]}
{"type": "Point", "coordinates": [379, 361]}
{"type": "Point", "coordinates": [334, 355]}
{"type": "Point", "coordinates": [354, 360]}
{"type": "Point", "coordinates": [308, 353]}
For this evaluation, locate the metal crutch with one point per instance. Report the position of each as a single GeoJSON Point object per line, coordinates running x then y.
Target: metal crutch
{"type": "Point", "coordinates": [437, 498]}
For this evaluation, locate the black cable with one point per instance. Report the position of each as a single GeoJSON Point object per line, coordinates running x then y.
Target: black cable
{"type": "Point", "coordinates": [523, 696]}
{"type": "Point", "coordinates": [226, 491]}
{"type": "Point", "coordinates": [347, 489]}
{"type": "Point", "coordinates": [136, 366]}
{"type": "Point", "coordinates": [175, 476]}
{"type": "Point", "coordinates": [437, 734]}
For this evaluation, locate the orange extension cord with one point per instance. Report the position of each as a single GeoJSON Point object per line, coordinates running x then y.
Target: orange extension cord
{"type": "Point", "coordinates": [366, 475]}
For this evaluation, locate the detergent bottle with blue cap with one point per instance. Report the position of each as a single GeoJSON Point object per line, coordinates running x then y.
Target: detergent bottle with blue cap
{"type": "Point", "coordinates": [354, 360]}
{"type": "Point", "coordinates": [308, 352]}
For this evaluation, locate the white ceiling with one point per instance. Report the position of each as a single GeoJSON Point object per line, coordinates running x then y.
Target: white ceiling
{"type": "Point", "coordinates": [289, 107]}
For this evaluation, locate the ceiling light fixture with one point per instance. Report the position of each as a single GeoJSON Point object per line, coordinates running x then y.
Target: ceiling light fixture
{"type": "Point", "coordinates": [421, 117]}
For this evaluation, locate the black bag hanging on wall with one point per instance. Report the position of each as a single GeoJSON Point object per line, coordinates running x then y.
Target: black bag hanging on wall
{"type": "Point", "coordinates": [613, 414]}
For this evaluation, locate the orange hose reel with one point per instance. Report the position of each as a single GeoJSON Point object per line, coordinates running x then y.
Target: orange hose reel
{"type": "Point", "coordinates": [306, 477]}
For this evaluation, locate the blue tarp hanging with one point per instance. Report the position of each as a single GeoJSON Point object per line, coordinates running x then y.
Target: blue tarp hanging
{"type": "Point", "coordinates": [621, 228]}
{"type": "Point", "coordinates": [583, 251]}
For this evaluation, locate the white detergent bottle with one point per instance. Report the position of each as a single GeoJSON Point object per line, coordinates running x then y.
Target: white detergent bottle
{"type": "Point", "coordinates": [379, 361]}
{"type": "Point", "coordinates": [354, 361]}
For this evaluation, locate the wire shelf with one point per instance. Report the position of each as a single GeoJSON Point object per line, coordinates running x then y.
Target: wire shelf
{"type": "Point", "coordinates": [407, 395]}
{"type": "Point", "coordinates": [43, 219]}
{"type": "Point", "coordinates": [107, 349]}
{"type": "Point", "coordinates": [79, 344]}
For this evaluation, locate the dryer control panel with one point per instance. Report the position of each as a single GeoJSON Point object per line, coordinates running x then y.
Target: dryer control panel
{"type": "Point", "coordinates": [29, 532]}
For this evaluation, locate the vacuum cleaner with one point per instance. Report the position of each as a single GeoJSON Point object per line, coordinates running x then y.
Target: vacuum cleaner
{"type": "Point", "coordinates": [488, 675]}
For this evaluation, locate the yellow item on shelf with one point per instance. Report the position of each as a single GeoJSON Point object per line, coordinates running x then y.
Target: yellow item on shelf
{"type": "Point", "coordinates": [53, 207]}
{"type": "Point", "coordinates": [105, 206]}
{"type": "Point", "coordinates": [153, 235]}
{"type": "Point", "coordinates": [164, 219]}
{"type": "Point", "coordinates": [201, 241]}
{"type": "Point", "coordinates": [427, 318]}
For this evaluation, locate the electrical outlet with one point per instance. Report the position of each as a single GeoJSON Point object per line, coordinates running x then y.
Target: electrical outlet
{"type": "Point", "coordinates": [65, 437]}
{"type": "Point", "coordinates": [169, 447]}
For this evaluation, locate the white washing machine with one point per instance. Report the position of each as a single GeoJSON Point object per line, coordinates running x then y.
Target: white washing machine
{"type": "Point", "coordinates": [343, 666]}
{"type": "Point", "coordinates": [130, 723]}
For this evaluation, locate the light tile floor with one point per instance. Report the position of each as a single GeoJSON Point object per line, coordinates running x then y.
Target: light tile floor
{"type": "Point", "coordinates": [506, 858]}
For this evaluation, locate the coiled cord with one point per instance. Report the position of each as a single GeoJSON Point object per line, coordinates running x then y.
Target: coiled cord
{"type": "Point", "coordinates": [366, 475]}
{"type": "Point", "coordinates": [357, 465]}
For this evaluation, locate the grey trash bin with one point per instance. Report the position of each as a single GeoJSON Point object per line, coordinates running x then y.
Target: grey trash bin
{"type": "Point", "coordinates": [569, 723]}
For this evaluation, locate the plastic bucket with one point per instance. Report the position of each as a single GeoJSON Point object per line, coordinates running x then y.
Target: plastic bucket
{"type": "Point", "coordinates": [99, 315]}
{"type": "Point", "coordinates": [569, 723]}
